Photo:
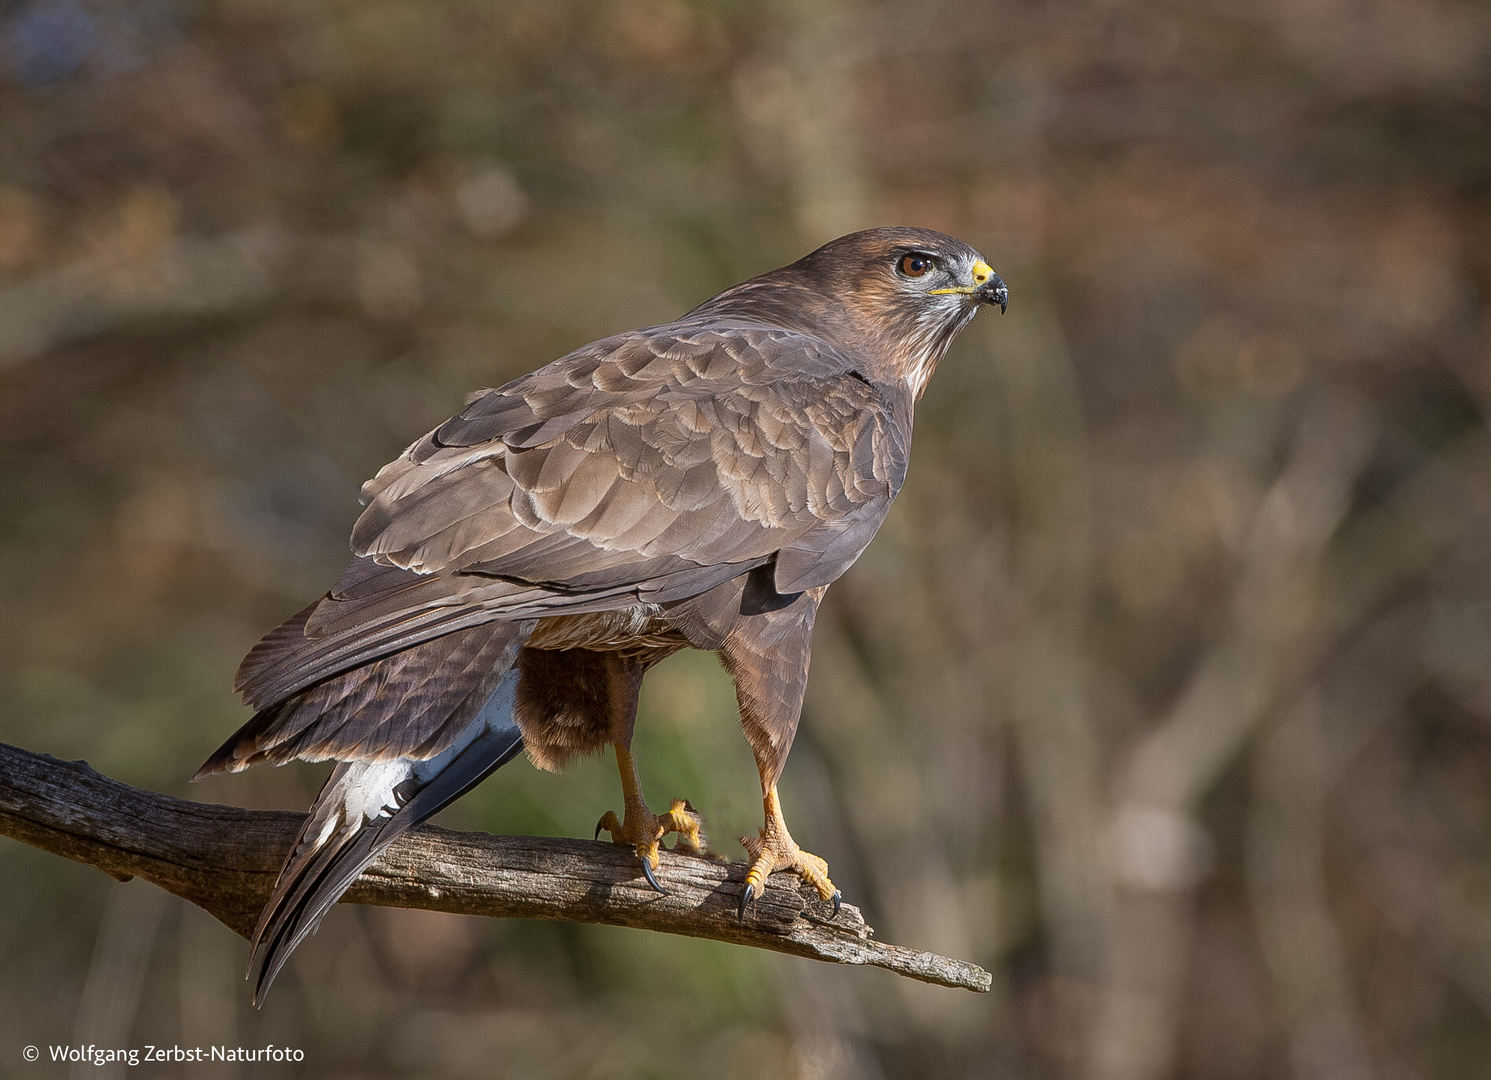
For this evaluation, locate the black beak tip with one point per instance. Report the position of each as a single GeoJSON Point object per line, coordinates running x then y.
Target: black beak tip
{"type": "Point", "coordinates": [994, 291]}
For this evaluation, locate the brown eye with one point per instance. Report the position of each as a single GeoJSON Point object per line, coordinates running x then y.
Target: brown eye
{"type": "Point", "coordinates": [915, 265]}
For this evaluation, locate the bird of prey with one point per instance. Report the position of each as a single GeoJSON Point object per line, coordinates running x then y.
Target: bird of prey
{"type": "Point", "coordinates": [520, 568]}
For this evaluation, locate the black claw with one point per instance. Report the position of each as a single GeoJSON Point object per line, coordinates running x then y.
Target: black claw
{"type": "Point", "coordinates": [745, 899]}
{"type": "Point", "coordinates": [838, 902]}
{"type": "Point", "coordinates": [598, 825]}
{"type": "Point", "coordinates": [650, 876]}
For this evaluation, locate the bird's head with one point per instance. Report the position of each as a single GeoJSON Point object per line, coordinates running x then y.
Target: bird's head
{"type": "Point", "coordinates": [893, 298]}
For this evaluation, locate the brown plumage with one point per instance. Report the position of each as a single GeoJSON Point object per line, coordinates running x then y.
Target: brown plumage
{"type": "Point", "coordinates": [697, 484]}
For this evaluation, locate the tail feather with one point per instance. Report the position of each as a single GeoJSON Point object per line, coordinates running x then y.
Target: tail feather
{"type": "Point", "coordinates": [363, 808]}
{"type": "Point", "coordinates": [412, 704]}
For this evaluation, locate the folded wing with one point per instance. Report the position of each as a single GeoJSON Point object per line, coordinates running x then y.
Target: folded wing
{"type": "Point", "coordinates": [646, 468]}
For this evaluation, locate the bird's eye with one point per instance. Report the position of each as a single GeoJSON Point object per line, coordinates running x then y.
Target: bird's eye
{"type": "Point", "coordinates": [915, 265]}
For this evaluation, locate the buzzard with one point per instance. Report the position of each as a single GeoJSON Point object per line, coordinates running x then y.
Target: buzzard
{"type": "Point", "coordinates": [518, 569]}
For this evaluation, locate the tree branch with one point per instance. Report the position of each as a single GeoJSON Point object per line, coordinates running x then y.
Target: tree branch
{"type": "Point", "coordinates": [225, 860]}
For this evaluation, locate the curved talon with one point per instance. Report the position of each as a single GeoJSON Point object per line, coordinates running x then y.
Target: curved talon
{"type": "Point", "coordinates": [838, 902]}
{"type": "Point", "coordinates": [745, 900]}
{"type": "Point", "coordinates": [650, 876]}
{"type": "Point", "coordinates": [608, 823]}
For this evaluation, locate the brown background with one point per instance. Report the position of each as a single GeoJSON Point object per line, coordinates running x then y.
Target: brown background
{"type": "Point", "coordinates": [1164, 693]}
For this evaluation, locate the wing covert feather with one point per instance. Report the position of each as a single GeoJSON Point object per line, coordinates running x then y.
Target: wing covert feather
{"type": "Point", "coordinates": [635, 462]}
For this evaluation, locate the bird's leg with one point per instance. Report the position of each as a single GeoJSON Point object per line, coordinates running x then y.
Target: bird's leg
{"type": "Point", "coordinates": [645, 830]}
{"type": "Point", "coordinates": [767, 656]}
{"type": "Point", "coordinates": [775, 849]}
{"type": "Point", "coordinates": [639, 826]}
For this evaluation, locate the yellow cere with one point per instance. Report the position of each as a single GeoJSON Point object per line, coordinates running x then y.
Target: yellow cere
{"type": "Point", "coordinates": [982, 272]}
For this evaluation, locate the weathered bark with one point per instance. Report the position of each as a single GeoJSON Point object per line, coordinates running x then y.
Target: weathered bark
{"type": "Point", "coordinates": [224, 860]}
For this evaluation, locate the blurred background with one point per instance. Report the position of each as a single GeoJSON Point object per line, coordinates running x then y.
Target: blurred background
{"type": "Point", "coordinates": [1165, 692]}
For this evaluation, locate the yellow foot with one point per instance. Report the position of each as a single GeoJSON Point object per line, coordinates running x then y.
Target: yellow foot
{"type": "Point", "coordinates": [645, 830]}
{"type": "Point", "coordinates": [774, 849]}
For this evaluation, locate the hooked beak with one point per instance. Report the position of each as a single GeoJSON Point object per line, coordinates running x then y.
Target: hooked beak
{"type": "Point", "coordinates": [987, 288]}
